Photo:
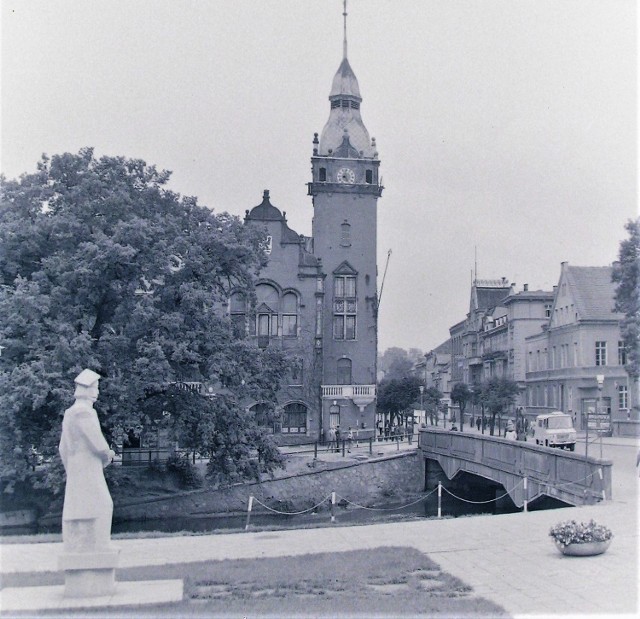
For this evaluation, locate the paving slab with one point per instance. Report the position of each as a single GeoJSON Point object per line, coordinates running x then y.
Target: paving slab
{"type": "Point", "coordinates": [128, 593]}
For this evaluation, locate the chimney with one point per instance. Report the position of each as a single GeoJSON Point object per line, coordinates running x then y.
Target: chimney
{"type": "Point", "coordinates": [526, 288]}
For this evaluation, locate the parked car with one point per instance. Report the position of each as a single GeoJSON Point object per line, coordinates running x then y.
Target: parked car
{"type": "Point", "coordinates": [555, 430]}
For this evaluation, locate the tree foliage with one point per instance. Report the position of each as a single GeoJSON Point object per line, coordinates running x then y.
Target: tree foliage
{"type": "Point", "coordinates": [626, 274]}
{"type": "Point", "coordinates": [102, 266]}
{"type": "Point", "coordinates": [398, 363]}
{"type": "Point", "coordinates": [397, 395]}
{"type": "Point", "coordinates": [431, 401]}
{"type": "Point", "coordinates": [496, 395]}
{"type": "Point", "coordinates": [461, 395]}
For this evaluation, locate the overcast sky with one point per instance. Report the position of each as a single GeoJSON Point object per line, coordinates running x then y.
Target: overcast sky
{"type": "Point", "coordinates": [505, 125]}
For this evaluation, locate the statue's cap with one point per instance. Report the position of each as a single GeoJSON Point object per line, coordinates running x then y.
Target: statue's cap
{"type": "Point", "coordinates": [86, 378]}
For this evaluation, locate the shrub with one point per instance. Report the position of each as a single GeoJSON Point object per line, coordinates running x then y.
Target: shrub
{"type": "Point", "coordinates": [185, 471]}
{"type": "Point", "coordinates": [572, 532]}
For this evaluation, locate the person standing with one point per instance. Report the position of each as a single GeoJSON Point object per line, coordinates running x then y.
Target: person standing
{"type": "Point", "coordinates": [332, 440]}
{"type": "Point", "coordinates": [338, 437]}
{"type": "Point", "coordinates": [349, 439]}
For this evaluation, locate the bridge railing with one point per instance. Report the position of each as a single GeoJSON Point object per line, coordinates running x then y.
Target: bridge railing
{"type": "Point", "coordinates": [557, 473]}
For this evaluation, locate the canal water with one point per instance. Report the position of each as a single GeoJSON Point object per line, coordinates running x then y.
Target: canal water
{"type": "Point", "coordinates": [410, 508]}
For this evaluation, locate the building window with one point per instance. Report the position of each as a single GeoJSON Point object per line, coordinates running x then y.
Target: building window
{"type": "Point", "coordinates": [622, 353]}
{"type": "Point", "coordinates": [345, 234]}
{"type": "Point", "coordinates": [322, 175]}
{"type": "Point", "coordinates": [547, 310]}
{"type": "Point", "coordinates": [238, 313]}
{"type": "Point", "coordinates": [264, 416]}
{"type": "Point", "coordinates": [623, 397]}
{"type": "Point", "coordinates": [601, 353]}
{"type": "Point", "coordinates": [294, 418]}
{"type": "Point", "coordinates": [266, 323]}
{"type": "Point", "coordinates": [368, 177]}
{"type": "Point", "coordinates": [344, 307]}
{"type": "Point", "coordinates": [334, 416]}
{"type": "Point", "coordinates": [290, 315]}
{"type": "Point", "coordinates": [296, 372]}
{"type": "Point", "coordinates": [344, 372]}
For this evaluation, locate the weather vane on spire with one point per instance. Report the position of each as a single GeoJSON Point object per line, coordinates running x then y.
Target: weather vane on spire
{"type": "Point", "coordinates": [344, 14]}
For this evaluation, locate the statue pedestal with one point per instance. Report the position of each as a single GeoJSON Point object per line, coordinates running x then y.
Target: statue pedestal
{"type": "Point", "coordinates": [89, 561]}
{"type": "Point", "coordinates": [90, 574]}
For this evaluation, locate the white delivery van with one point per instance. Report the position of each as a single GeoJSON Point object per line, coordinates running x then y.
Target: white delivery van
{"type": "Point", "coordinates": [555, 430]}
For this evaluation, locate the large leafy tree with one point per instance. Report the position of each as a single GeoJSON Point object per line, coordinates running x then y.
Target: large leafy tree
{"type": "Point", "coordinates": [626, 274]}
{"type": "Point", "coordinates": [396, 396]}
{"type": "Point", "coordinates": [431, 400]}
{"type": "Point", "coordinates": [102, 266]}
{"type": "Point", "coordinates": [496, 395]}
{"type": "Point", "coordinates": [461, 395]}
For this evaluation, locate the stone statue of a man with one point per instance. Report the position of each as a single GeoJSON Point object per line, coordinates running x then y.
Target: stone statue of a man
{"type": "Point", "coordinates": [88, 508]}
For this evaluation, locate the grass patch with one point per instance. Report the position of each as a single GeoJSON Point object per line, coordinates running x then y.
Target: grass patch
{"type": "Point", "coordinates": [391, 582]}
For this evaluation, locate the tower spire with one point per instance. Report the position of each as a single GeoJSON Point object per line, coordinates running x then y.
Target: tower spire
{"type": "Point", "coordinates": [344, 43]}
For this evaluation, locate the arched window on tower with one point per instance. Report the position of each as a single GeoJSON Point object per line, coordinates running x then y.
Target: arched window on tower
{"type": "Point", "coordinates": [290, 315]}
{"type": "Point", "coordinates": [344, 372]}
{"type": "Point", "coordinates": [368, 176]}
{"type": "Point", "coordinates": [322, 175]}
{"type": "Point", "coordinates": [345, 234]}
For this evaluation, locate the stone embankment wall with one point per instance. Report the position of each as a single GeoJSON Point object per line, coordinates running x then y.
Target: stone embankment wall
{"type": "Point", "coordinates": [367, 483]}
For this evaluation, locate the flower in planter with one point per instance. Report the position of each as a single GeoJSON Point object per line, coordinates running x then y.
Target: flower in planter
{"type": "Point", "coordinates": [572, 532]}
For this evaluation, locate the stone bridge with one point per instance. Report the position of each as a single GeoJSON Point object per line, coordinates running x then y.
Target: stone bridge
{"type": "Point", "coordinates": [556, 473]}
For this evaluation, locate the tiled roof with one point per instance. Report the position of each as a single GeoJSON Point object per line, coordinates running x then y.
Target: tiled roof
{"type": "Point", "coordinates": [593, 292]}
{"type": "Point", "coordinates": [490, 297]}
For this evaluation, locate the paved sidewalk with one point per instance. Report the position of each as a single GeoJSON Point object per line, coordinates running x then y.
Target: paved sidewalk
{"type": "Point", "coordinates": [508, 559]}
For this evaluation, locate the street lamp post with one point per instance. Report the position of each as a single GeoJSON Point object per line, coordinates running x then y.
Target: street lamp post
{"type": "Point", "coordinates": [422, 403]}
{"type": "Point", "coordinates": [600, 379]}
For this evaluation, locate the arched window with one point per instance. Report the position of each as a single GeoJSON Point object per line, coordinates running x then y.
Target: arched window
{"type": "Point", "coordinates": [345, 234]}
{"type": "Point", "coordinates": [264, 416]}
{"type": "Point", "coordinates": [368, 176]}
{"type": "Point", "coordinates": [344, 372]}
{"type": "Point", "coordinates": [322, 176]}
{"type": "Point", "coordinates": [294, 419]}
{"type": "Point", "coordinates": [290, 315]}
{"type": "Point", "coordinates": [238, 313]}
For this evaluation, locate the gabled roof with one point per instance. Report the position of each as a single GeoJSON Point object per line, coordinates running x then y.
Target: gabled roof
{"type": "Point", "coordinates": [593, 292]}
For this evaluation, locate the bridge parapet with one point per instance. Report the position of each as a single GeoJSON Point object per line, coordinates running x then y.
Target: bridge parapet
{"type": "Point", "coordinates": [553, 472]}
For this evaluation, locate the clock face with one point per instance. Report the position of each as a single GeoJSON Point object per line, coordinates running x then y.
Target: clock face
{"type": "Point", "coordinates": [345, 175]}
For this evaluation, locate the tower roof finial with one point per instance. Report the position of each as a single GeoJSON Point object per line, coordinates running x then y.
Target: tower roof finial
{"type": "Point", "coordinates": [344, 44]}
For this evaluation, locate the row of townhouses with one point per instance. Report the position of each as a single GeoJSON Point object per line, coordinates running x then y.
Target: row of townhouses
{"type": "Point", "coordinates": [563, 348]}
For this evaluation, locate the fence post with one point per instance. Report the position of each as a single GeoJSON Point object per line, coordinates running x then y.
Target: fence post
{"type": "Point", "coordinates": [397, 442]}
{"type": "Point", "coordinates": [246, 526]}
{"type": "Point", "coordinates": [524, 490]}
{"type": "Point", "coordinates": [315, 450]}
{"type": "Point", "coordinates": [333, 506]}
{"type": "Point", "coordinates": [343, 447]}
{"type": "Point", "coordinates": [439, 500]}
{"type": "Point", "coordinates": [371, 445]}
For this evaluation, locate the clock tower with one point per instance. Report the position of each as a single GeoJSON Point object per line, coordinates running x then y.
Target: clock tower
{"type": "Point", "coordinates": [345, 188]}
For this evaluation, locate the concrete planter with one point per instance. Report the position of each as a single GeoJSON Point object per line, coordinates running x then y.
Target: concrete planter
{"type": "Point", "coordinates": [584, 549]}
